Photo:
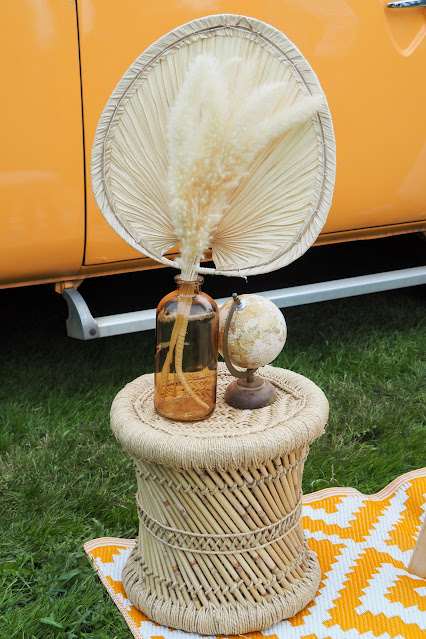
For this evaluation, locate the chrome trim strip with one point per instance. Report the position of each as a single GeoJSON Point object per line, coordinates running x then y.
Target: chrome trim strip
{"type": "Point", "coordinates": [82, 325]}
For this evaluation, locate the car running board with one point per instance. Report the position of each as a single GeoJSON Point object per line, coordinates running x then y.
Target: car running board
{"type": "Point", "coordinates": [82, 325]}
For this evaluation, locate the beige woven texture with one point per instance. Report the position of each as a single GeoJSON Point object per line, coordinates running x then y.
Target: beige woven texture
{"type": "Point", "coordinates": [278, 209]}
{"type": "Point", "coordinates": [220, 547]}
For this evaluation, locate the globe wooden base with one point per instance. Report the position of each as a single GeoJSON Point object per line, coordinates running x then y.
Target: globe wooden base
{"type": "Point", "coordinates": [255, 394]}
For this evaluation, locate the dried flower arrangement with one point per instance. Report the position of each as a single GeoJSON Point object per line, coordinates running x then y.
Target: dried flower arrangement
{"type": "Point", "coordinates": [217, 126]}
{"type": "Point", "coordinates": [217, 137]}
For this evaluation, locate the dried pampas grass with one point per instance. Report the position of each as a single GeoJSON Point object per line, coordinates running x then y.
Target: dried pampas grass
{"type": "Point", "coordinates": [266, 204]}
{"type": "Point", "coordinates": [217, 126]}
{"type": "Point", "coordinates": [219, 123]}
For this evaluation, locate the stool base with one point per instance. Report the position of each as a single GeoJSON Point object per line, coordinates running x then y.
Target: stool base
{"type": "Point", "coordinates": [225, 619]}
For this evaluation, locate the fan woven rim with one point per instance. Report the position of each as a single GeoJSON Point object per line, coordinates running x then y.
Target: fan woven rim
{"type": "Point", "coordinates": [278, 44]}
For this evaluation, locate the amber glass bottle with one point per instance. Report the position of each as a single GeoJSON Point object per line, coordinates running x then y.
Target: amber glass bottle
{"type": "Point", "coordinates": [186, 353]}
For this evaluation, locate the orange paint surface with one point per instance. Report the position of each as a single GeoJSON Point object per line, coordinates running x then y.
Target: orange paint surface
{"type": "Point", "coordinates": [41, 161]}
{"type": "Point", "coordinates": [369, 61]}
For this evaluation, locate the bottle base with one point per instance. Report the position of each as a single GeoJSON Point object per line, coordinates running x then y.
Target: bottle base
{"type": "Point", "coordinates": [176, 403]}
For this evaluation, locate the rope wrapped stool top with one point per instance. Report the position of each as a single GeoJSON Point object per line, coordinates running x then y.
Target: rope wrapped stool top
{"type": "Point", "coordinates": [229, 438]}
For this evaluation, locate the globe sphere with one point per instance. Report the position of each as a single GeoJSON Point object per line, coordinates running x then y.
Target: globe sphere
{"type": "Point", "coordinates": [257, 332]}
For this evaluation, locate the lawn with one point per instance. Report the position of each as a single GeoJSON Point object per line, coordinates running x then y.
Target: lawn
{"type": "Point", "coordinates": [65, 480]}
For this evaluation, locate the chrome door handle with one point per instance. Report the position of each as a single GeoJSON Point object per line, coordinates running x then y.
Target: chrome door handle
{"type": "Point", "coordinates": [406, 4]}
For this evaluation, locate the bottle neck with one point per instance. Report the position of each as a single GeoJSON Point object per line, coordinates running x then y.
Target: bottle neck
{"type": "Point", "coordinates": [184, 286]}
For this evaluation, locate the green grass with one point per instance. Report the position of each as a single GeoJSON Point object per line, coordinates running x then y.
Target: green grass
{"type": "Point", "coordinates": [64, 479]}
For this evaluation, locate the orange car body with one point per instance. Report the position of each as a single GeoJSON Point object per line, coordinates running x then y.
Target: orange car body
{"type": "Point", "coordinates": [63, 59]}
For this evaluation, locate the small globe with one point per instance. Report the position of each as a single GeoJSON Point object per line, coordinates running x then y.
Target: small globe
{"type": "Point", "coordinates": [257, 332]}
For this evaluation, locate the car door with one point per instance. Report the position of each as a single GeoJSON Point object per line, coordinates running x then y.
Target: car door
{"type": "Point", "coordinates": [42, 218]}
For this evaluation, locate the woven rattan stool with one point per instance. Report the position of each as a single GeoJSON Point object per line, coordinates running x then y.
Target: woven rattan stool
{"type": "Point", "coordinates": [220, 548]}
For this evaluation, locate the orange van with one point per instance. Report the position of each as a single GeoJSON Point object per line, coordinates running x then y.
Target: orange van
{"type": "Point", "coordinates": [61, 61]}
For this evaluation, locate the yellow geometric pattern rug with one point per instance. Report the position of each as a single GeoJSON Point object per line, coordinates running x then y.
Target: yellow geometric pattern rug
{"type": "Point", "coordinates": [364, 544]}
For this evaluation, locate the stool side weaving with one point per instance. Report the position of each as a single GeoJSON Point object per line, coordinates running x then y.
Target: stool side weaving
{"type": "Point", "coordinates": [220, 548]}
{"type": "Point", "coordinates": [364, 545]}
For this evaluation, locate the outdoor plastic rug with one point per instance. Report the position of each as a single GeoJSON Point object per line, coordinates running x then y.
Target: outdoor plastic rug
{"type": "Point", "coordinates": [364, 544]}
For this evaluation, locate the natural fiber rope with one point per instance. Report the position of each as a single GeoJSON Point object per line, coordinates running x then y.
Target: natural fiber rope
{"type": "Point", "coordinates": [205, 543]}
{"type": "Point", "coordinates": [229, 438]}
{"type": "Point", "coordinates": [236, 619]}
{"type": "Point", "coordinates": [223, 422]}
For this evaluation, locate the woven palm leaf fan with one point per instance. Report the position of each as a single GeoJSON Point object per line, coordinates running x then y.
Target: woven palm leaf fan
{"type": "Point", "coordinates": [217, 137]}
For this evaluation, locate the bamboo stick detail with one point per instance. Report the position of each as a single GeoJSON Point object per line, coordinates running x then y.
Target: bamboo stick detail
{"type": "Point", "coordinates": [224, 505]}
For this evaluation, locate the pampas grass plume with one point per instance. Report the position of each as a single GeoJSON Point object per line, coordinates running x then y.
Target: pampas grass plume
{"type": "Point", "coordinates": [218, 124]}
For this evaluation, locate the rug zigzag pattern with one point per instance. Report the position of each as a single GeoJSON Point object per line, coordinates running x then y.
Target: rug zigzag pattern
{"type": "Point", "coordinates": [364, 544]}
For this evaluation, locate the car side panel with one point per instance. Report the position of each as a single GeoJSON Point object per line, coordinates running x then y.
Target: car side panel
{"type": "Point", "coordinates": [42, 217]}
{"type": "Point", "coordinates": [369, 61]}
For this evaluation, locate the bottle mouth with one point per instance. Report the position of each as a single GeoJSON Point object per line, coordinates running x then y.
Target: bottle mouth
{"type": "Point", "coordinates": [178, 279]}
